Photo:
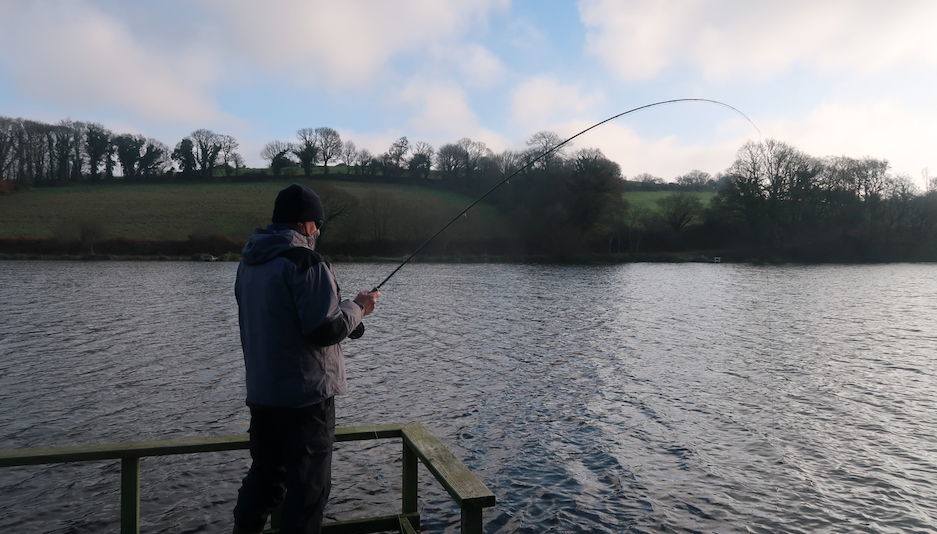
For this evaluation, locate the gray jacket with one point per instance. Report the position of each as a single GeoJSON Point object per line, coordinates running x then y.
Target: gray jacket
{"type": "Point", "coordinates": [292, 318]}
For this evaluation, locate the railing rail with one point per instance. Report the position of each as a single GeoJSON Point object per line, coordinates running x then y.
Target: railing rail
{"type": "Point", "coordinates": [418, 445]}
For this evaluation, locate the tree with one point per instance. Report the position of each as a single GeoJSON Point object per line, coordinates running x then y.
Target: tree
{"type": "Point", "coordinates": [507, 162]}
{"type": "Point", "coordinates": [61, 140]}
{"type": "Point", "coordinates": [694, 178]}
{"type": "Point", "coordinates": [76, 156]}
{"type": "Point", "coordinates": [472, 154]}
{"type": "Point", "coordinates": [421, 160]}
{"type": "Point", "coordinates": [129, 151]}
{"type": "Point", "coordinates": [228, 153]}
{"type": "Point", "coordinates": [450, 160]}
{"type": "Point", "coordinates": [349, 155]}
{"type": "Point", "coordinates": [593, 185]}
{"type": "Point", "coordinates": [307, 151]}
{"type": "Point", "coordinates": [679, 209]}
{"type": "Point", "coordinates": [543, 143]}
{"type": "Point", "coordinates": [896, 206]}
{"type": "Point", "coordinates": [363, 161]}
{"type": "Point", "coordinates": [614, 218]}
{"type": "Point", "coordinates": [8, 134]}
{"type": "Point", "coordinates": [97, 147]}
{"type": "Point", "coordinates": [336, 202]}
{"type": "Point", "coordinates": [393, 158]}
{"type": "Point", "coordinates": [378, 211]}
{"type": "Point", "coordinates": [649, 179]}
{"type": "Point", "coordinates": [330, 145]}
{"type": "Point", "coordinates": [207, 149]}
{"type": "Point", "coordinates": [278, 154]}
{"type": "Point", "coordinates": [238, 163]}
{"type": "Point", "coordinates": [639, 223]}
{"type": "Point", "coordinates": [184, 155]}
{"type": "Point", "coordinates": [155, 159]}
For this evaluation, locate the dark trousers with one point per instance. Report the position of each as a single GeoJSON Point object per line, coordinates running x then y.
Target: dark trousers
{"type": "Point", "coordinates": [291, 449]}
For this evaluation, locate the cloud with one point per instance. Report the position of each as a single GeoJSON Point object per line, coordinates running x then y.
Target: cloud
{"type": "Point", "coordinates": [442, 107]}
{"type": "Point", "coordinates": [543, 99]}
{"type": "Point", "coordinates": [638, 39]}
{"type": "Point", "coordinates": [883, 129]}
{"type": "Point", "coordinates": [877, 129]}
{"type": "Point", "coordinates": [343, 43]}
{"type": "Point", "coordinates": [443, 114]}
{"type": "Point", "coordinates": [665, 157]}
{"type": "Point", "coordinates": [76, 56]}
{"type": "Point", "coordinates": [479, 67]}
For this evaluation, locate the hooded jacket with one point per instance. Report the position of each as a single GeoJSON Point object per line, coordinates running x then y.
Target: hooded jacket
{"type": "Point", "coordinates": [292, 318]}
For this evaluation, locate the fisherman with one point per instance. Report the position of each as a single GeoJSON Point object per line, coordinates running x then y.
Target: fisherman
{"type": "Point", "coordinates": [292, 318]}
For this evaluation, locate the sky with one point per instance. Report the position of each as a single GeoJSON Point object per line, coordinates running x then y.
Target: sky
{"type": "Point", "coordinates": [829, 77]}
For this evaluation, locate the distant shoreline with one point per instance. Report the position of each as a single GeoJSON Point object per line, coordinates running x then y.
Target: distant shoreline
{"type": "Point", "coordinates": [582, 259]}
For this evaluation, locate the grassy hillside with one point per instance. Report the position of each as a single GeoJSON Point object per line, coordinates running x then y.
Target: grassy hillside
{"type": "Point", "coordinates": [175, 211]}
{"type": "Point", "coordinates": [648, 199]}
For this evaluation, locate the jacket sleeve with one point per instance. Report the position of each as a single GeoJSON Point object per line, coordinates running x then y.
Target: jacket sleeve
{"type": "Point", "coordinates": [326, 319]}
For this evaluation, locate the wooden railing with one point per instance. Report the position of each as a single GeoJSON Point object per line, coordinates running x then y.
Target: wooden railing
{"type": "Point", "coordinates": [418, 445]}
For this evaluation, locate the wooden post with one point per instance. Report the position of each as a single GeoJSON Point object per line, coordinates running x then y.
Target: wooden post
{"type": "Point", "coordinates": [472, 520]}
{"type": "Point", "coordinates": [130, 495]}
{"type": "Point", "coordinates": [409, 493]}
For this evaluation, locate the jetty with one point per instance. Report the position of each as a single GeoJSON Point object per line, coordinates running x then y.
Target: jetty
{"type": "Point", "coordinates": [419, 445]}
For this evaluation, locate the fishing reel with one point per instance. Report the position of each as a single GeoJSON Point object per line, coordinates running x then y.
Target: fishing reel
{"type": "Point", "coordinates": [357, 332]}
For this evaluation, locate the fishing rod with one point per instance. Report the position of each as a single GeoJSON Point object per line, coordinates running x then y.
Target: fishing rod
{"type": "Point", "coordinates": [550, 151]}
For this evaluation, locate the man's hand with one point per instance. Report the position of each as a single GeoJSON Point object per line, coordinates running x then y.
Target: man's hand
{"type": "Point", "coordinates": [368, 299]}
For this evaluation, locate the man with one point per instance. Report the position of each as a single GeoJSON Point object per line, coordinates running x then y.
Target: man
{"type": "Point", "coordinates": [292, 318]}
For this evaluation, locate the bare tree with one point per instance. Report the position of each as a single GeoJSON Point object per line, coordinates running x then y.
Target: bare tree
{"type": "Point", "coordinates": [647, 178]}
{"type": "Point", "coordinates": [377, 209]}
{"type": "Point", "coordinates": [694, 178]}
{"type": "Point", "coordinates": [363, 160]}
{"type": "Point", "coordinates": [679, 209]}
{"type": "Point", "coordinates": [472, 152]}
{"type": "Point", "coordinates": [307, 150]}
{"type": "Point", "coordinates": [228, 153]}
{"type": "Point", "coordinates": [330, 145]}
{"type": "Point", "coordinates": [393, 158]}
{"type": "Point", "coordinates": [349, 155]}
{"type": "Point", "coordinates": [639, 221]}
{"type": "Point", "coordinates": [238, 163]}
{"type": "Point", "coordinates": [421, 160]}
{"type": "Point", "coordinates": [278, 154]}
{"type": "Point", "coordinates": [450, 159]}
{"type": "Point", "coordinates": [8, 130]}
{"type": "Point", "coordinates": [507, 162]}
{"type": "Point", "coordinates": [207, 145]}
{"type": "Point", "coordinates": [543, 143]}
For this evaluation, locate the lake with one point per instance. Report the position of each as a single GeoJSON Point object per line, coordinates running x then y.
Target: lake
{"type": "Point", "coordinates": [625, 398]}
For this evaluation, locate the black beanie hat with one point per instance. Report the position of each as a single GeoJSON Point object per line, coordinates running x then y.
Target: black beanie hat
{"type": "Point", "coordinates": [297, 204]}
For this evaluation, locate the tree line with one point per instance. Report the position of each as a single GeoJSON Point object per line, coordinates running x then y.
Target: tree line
{"type": "Point", "coordinates": [779, 198]}
{"type": "Point", "coordinates": [773, 200]}
{"type": "Point", "coordinates": [34, 153]}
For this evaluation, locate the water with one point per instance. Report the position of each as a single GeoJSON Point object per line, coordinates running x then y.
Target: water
{"type": "Point", "coordinates": [633, 398]}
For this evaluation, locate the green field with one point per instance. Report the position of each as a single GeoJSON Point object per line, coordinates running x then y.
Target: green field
{"type": "Point", "coordinates": [648, 199]}
{"type": "Point", "coordinates": [175, 211]}
{"type": "Point", "coordinates": [178, 210]}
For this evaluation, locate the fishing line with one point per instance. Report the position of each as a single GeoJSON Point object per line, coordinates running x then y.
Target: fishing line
{"type": "Point", "coordinates": [550, 151]}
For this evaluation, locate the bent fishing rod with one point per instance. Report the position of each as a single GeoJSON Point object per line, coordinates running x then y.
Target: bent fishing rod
{"type": "Point", "coordinates": [545, 154]}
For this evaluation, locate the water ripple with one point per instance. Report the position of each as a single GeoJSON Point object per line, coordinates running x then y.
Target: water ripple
{"type": "Point", "coordinates": [633, 398]}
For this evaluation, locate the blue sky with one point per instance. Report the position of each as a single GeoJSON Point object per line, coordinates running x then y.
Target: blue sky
{"type": "Point", "coordinates": [848, 77]}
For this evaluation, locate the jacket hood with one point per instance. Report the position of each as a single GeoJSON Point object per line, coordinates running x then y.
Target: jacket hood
{"type": "Point", "coordinates": [268, 243]}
